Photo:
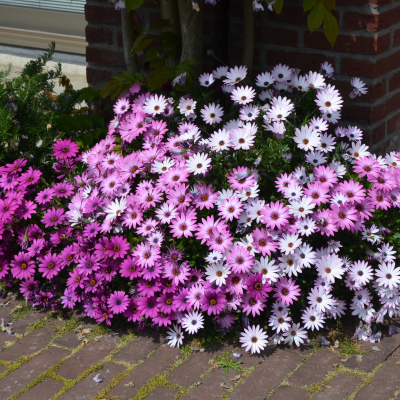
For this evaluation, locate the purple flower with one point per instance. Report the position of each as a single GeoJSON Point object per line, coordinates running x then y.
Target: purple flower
{"type": "Point", "coordinates": [213, 302]}
{"type": "Point", "coordinates": [118, 302]}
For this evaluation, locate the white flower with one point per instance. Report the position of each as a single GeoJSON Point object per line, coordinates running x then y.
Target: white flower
{"type": "Point", "coordinates": [307, 138]}
{"type": "Point", "coordinates": [305, 255]}
{"type": "Point", "coordinates": [332, 117]}
{"type": "Point", "coordinates": [115, 209]}
{"type": "Point", "coordinates": [306, 226]}
{"type": "Point", "coordinates": [175, 336]}
{"type": "Point", "coordinates": [327, 143]}
{"type": "Point", "coordinates": [220, 72]}
{"type": "Point", "coordinates": [212, 114]}
{"type": "Point", "coordinates": [316, 80]}
{"type": "Point", "coordinates": [358, 88]}
{"type": "Point", "coordinates": [235, 75]}
{"type": "Point", "coordinates": [330, 267]}
{"type": "Point", "coordinates": [214, 257]}
{"type": "Point", "coordinates": [329, 100]}
{"type": "Point", "coordinates": [161, 167]}
{"type": "Point", "coordinates": [300, 82]}
{"type": "Point", "coordinates": [388, 275]}
{"type": "Point", "coordinates": [289, 243]}
{"type": "Point", "coordinates": [243, 95]}
{"type": "Point", "coordinates": [320, 300]}
{"type": "Point", "coordinates": [254, 338]}
{"type": "Point", "coordinates": [312, 319]}
{"type": "Point", "coordinates": [316, 158]}
{"type": "Point", "coordinates": [198, 163]}
{"type": "Point", "coordinates": [187, 106]}
{"type": "Point", "coordinates": [295, 334]}
{"type": "Point", "coordinates": [282, 73]}
{"type": "Point", "coordinates": [265, 79]}
{"type": "Point", "coordinates": [302, 207]}
{"type": "Point", "coordinates": [217, 273]}
{"type": "Point", "coordinates": [155, 105]}
{"type": "Point", "coordinates": [386, 253]}
{"type": "Point", "coordinates": [249, 112]}
{"type": "Point", "coordinates": [193, 321]}
{"type": "Point", "coordinates": [219, 141]}
{"type": "Point", "coordinates": [280, 321]}
{"type": "Point", "coordinates": [206, 79]}
{"type": "Point", "coordinates": [242, 138]}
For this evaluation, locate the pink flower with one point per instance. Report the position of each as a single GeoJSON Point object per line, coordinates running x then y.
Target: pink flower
{"type": "Point", "coordinates": [65, 149]}
{"type": "Point", "coordinates": [275, 215]}
{"type": "Point", "coordinates": [213, 302]}
{"type": "Point", "coordinates": [256, 287]}
{"type": "Point", "coordinates": [183, 225]}
{"type": "Point", "coordinates": [286, 291]}
{"type": "Point", "coordinates": [50, 265]}
{"type": "Point", "coordinates": [344, 216]}
{"type": "Point", "coordinates": [263, 242]}
{"type": "Point", "coordinates": [146, 254]}
{"type": "Point", "coordinates": [118, 302]}
{"type": "Point", "coordinates": [22, 267]}
{"type": "Point", "coordinates": [240, 260]}
{"type": "Point", "coordinates": [118, 247]}
{"type": "Point", "coordinates": [230, 208]}
{"type": "Point", "coordinates": [53, 217]}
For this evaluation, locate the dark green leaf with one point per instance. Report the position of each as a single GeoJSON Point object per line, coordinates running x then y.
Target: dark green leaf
{"type": "Point", "coordinates": [278, 6]}
{"type": "Point", "coordinates": [160, 23]}
{"type": "Point", "coordinates": [88, 94]}
{"type": "Point", "coordinates": [159, 77]}
{"type": "Point", "coordinates": [331, 4]}
{"type": "Point", "coordinates": [169, 54]}
{"type": "Point", "coordinates": [133, 4]}
{"type": "Point", "coordinates": [168, 36]}
{"type": "Point", "coordinates": [87, 138]}
{"type": "Point", "coordinates": [156, 63]}
{"type": "Point", "coordinates": [97, 121]}
{"type": "Point", "coordinates": [151, 55]}
{"type": "Point", "coordinates": [83, 121]}
{"type": "Point", "coordinates": [138, 76]}
{"type": "Point", "coordinates": [316, 17]}
{"type": "Point", "coordinates": [142, 45]}
{"type": "Point", "coordinates": [331, 27]}
{"type": "Point", "coordinates": [308, 4]}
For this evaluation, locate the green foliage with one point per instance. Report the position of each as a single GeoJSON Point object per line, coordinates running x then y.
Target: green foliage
{"type": "Point", "coordinates": [133, 4]}
{"type": "Point", "coordinates": [235, 365]}
{"type": "Point", "coordinates": [119, 84]}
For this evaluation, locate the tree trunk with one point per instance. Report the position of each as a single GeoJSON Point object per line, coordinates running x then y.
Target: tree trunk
{"type": "Point", "coordinates": [248, 37]}
{"type": "Point", "coordinates": [128, 36]}
{"type": "Point", "coordinates": [169, 10]}
{"type": "Point", "coordinates": [192, 33]}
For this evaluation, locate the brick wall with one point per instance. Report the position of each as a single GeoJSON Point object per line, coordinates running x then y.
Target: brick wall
{"type": "Point", "coordinates": [368, 46]}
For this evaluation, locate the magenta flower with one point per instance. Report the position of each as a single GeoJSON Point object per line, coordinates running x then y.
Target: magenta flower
{"type": "Point", "coordinates": [88, 264]}
{"type": "Point", "coordinates": [26, 210]}
{"type": "Point", "coordinates": [45, 196]}
{"type": "Point", "coordinates": [50, 265]}
{"type": "Point", "coordinates": [146, 254]}
{"type": "Point", "coordinates": [90, 231]}
{"type": "Point", "coordinates": [240, 260]}
{"type": "Point", "coordinates": [343, 216]}
{"type": "Point", "coordinates": [230, 208]}
{"type": "Point", "coordinates": [7, 208]}
{"type": "Point", "coordinates": [166, 303]}
{"type": "Point", "coordinates": [275, 215]}
{"type": "Point", "coordinates": [65, 149]}
{"type": "Point", "coordinates": [93, 281]}
{"type": "Point", "coordinates": [149, 287]}
{"type": "Point", "coordinates": [132, 312]}
{"type": "Point", "coordinates": [22, 267]}
{"type": "Point", "coordinates": [178, 274]}
{"type": "Point", "coordinates": [103, 314]}
{"type": "Point", "coordinates": [76, 279]}
{"type": "Point", "coordinates": [263, 243]}
{"type": "Point", "coordinates": [30, 177]}
{"type": "Point", "coordinates": [256, 287]}
{"type": "Point", "coordinates": [63, 189]}
{"type": "Point", "coordinates": [4, 268]}
{"type": "Point", "coordinates": [28, 287]}
{"type": "Point", "coordinates": [286, 290]}
{"type": "Point", "coordinates": [213, 302]}
{"type": "Point", "coordinates": [69, 299]}
{"type": "Point", "coordinates": [252, 305]}
{"type": "Point", "coordinates": [183, 225]}
{"type": "Point", "coordinates": [147, 306]}
{"type": "Point", "coordinates": [118, 302]}
{"type": "Point", "coordinates": [109, 269]}
{"type": "Point", "coordinates": [129, 268]}
{"type": "Point", "coordinates": [163, 319]}
{"type": "Point", "coordinates": [53, 217]}
{"type": "Point", "coordinates": [118, 247]}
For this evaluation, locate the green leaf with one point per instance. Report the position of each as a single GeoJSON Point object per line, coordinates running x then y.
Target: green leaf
{"type": "Point", "coordinates": [142, 45]}
{"type": "Point", "coordinates": [133, 4]}
{"type": "Point", "coordinates": [160, 23]}
{"type": "Point", "coordinates": [316, 17]}
{"type": "Point", "coordinates": [159, 77]}
{"type": "Point", "coordinates": [278, 6]}
{"type": "Point", "coordinates": [308, 4]}
{"type": "Point", "coordinates": [156, 63]}
{"type": "Point", "coordinates": [128, 76]}
{"type": "Point", "coordinates": [138, 76]}
{"type": "Point", "coordinates": [97, 121]}
{"type": "Point", "coordinates": [83, 121]}
{"type": "Point", "coordinates": [151, 55]}
{"type": "Point", "coordinates": [167, 36]}
{"type": "Point", "coordinates": [331, 4]}
{"type": "Point", "coordinates": [169, 54]}
{"type": "Point", "coordinates": [331, 27]}
{"type": "Point", "coordinates": [88, 94]}
{"type": "Point", "coordinates": [111, 89]}
{"type": "Point", "coordinates": [87, 138]}
{"type": "Point", "coordinates": [66, 122]}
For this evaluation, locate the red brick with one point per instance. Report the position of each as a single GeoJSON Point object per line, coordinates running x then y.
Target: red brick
{"type": "Point", "coordinates": [289, 15]}
{"type": "Point", "coordinates": [388, 64]}
{"type": "Point", "coordinates": [98, 35]}
{"type": "Point", "coordinates": [150, 4]}
{"type": "Point", "coordinates": [393, 124]}
{"type": "Point", "coordinates": [396, 38]}
{"type": "Point", "coordinates": [373, 22]}
{"type": "Point", "coordinates": [102, 14]}
{"type": "Point", "coordinates": [377, 134]}
{"type": "Point", "coordinates": [105, 57]}
{"type": "Point", "coordinates": [378, 3]}
{"type": "Point", "coordinates": [394, 82]}
{"type": "Point", "coordinates": [348, 43]}
{"type": "Point", "coordinates": [350, 66]}
{"type": "Point", "coordinates": [97, 75]}
{"type": "Point", "coordinates": [267, 35]}
{"type": "Point", "coordinates": [153, 17]}
{"type": "Point", "coordinates": [297, 59]}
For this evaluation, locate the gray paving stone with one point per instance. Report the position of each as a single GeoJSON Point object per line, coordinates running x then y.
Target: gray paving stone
{"type": "Point", "coordinates": [139, 348]}
{"type": "Point", "coordinates": [289, 393]}
{"type": "Point", "coordinates": [18, 379]}
{"type": "Point", "coordinates": [342, 386]}
{"type": "Point", "coordinates": [87, 388]}
{"type": "Point", "coordinates": [267, 376]}
{"type": "Point", "coordinates": [69, 340]}
{"type": "Point", "coordinates": [3, 368]}
{"type": "Point", "coordinates": [162, 393]}
{"type": "Point", "coordinates": [19, 326]}
{"type": "Point", "coordinates": [44, 390]}
{"type": "Point", "coordinates": [372, 359]}
{"type": "Point", "coordinates": [316, 368]}
{"type": "Point", "coordinates": [87, 356]}
{"type": "Point", "coordinates": [161, 360]}
{"type": "Point", "coordinates": [29, 344]}
{"type": "Point", "coordinates": [385, 382]}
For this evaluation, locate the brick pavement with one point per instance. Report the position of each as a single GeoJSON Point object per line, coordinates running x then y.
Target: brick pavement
{"type": "Point", "coordinates": [59, 360]}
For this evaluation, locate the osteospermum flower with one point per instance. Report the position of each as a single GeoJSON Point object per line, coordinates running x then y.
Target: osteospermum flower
{"type": "Point", "coordinates": [230, 208]}
{"type": "Point", "coordinates": [118, 302]}
{"type": "Point", "coordinates": [235, 75]}
{"type": "Point", "coordinates": [256, 287]}
{"type": "Point", "coordinates": [329, 100]}
{"type": "Point", "coordinates": [198, 163]}
{"type": "Point", "coordinates": [275, 215]}
{"type": "Point", "coordinates": [155, 104]}
{"type": "Point", "coordinates": [212, 114]}
{"type": "Point", "coordinates": [217, 273]}
{"type": "Point", "coordinates": [254, 338]}
{"type": "Point", "coordinates": [206, 79]}
{"type": "Point", "coordinates": [175, 336]}
{"type": "Point", "coordinates": [286, 290]}
{"type": "Point", "coordinates": [295, 334]}
{"type": "Point", "coordinates": [54, 217]}
{"type": "Point", "coordinates": [192, 322]}
{"type": "Point", "coordinates": [50, 265]}
{"type": "Point", "coordinates": [22, 267]}
{"type": "Point", "coordinates": [65, 149]}
{"type": "Point", "coordinates": [213, 302]}
{"type": "Point", "coordinates": [243, 95]}
{"type": "Point", "coordinates": [240, 260]}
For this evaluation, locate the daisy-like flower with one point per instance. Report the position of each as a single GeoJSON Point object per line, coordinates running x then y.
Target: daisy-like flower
{"type": "Point", "coordinates": [220, 72]}
{"type": "Point", "coordinates": [275, 215]}
{"type": "Point", "coordinates": [312, 319]}
{"type": "Point", "coordinates": [243, 138]}
{"type": "Point", "coordinates": [256, 287]}
{"type": "Point", "coordinates": [282, 73]}
{"type": "Point", "coordinates": [329, 100]}
{"type": "Point", "coordinates": [358, 88]}
{"type": "Point", "coordinates": [307, 138]}
{"type": "Point", "coordinates": [388, 275]}
{"type": "Point", "coordinates": [280, 109]}
{"type": "Point", "coordinates": [330, 268]}
{"type": "Point", "coordinates": [302, 207]}
{"type": "Point", "coordinates": [217, 273]}
{"type": "Point", "coordinates": [187, 106]}
{"type": "Point", "coordinates": [50, 265]}
{"type": "Point", "coordinates": [243, 95]}
{"type": "Point", "coordinates": [230, 208]}
{"type": "Point", "coordinates": [240, 260]}
{"type": "Point", "coordinates": [254, 338]}
{"type": "Point", "coordinates": [175, 336]}
{"type": "Point", "coordinates": [280, 321]}
{"type": "Point", "coordinates": [155, 104]}
{"type": "Point", "coordinates": [249, 112]}
{"type": "Point", "coordinates": [320, 300]}
{"type": "Point", "coordinates": [268, 269]}
{"type": "Point", "coordinates": [301, 83]}
{"type": "Point", "coordinates": [213, 302]}
{"type": "Point", "coordinates": [286, 290]}
{"type": "Point", "coordinates": [146, 254]}
{"type": "Point", "coordinates": [361, 272]}
{"type": "Point", "coordinates": [289, 243]}
{"type": "Point", "coordinates": [115, 209]}
{"type": "Point", "coordinates": [121, 106]}
{"type": "Point", "coordinates": [327, 70]}
{"type": "Point", "coordinates": [64, 149]}
{"type": "Point", "coordinates": [198, 163]}
{"type": "Point", "coordinates": [192, 322]}
{"type": "Point", "coordinates": [235, 75]}
{"type": "Point", "coordinates": [206, 79]}
{"type": "Point", "coordinates": [53, 217]}
{"type": "Point", "coordinates": [316, 80]}
{"type": "Point", "coordinates": [265, 79]}
{"type": "Point", "coordinates": [22, 267]}
{"type": "Point", "coordinates": [183, 225]}
{"type": "Point", "coordinates": [295, 334]}
{"type": "Point", "coordinates": [359, 150]}
{"type": "Point", "coordinates": [219, 141]}
{"type": "Point", "coordinates": [118, 302]}
{"type": "Point", "coordinates": [212, 113]}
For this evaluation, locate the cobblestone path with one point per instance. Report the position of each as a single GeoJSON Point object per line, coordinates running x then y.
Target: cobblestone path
{"type": "Point", "coordinates": [49, 358]}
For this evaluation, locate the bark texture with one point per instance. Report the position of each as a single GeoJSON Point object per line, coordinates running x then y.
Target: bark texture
{"type": "Point", "coordinates": [128, 36]}
{"type": "Point", "coordinates": [169, 10]}
{"type": "Point", "coordinates": [248, 35]}
{"type": "Point", "coordinates": [192, 32]}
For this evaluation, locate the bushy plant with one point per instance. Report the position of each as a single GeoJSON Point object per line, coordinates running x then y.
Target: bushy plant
{"type": "Point", "coordinates": [234, 203]}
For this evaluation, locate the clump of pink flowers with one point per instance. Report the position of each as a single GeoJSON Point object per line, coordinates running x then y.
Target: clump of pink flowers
{"type": "Point", "coordinates": [172, 209]}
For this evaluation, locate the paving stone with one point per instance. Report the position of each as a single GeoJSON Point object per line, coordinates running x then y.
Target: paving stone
{"type": "Point", "coordinates": [3, 368]}
{"type": "Point", "coordinates": [139, 348]}
{"type": "Point", "coordinates": [5, 310]}
{"type": "Point", "coordinates": [342, 386]}
{"type": "Point", "coordinates": [196, 365]}
{"type": "Point", "coordinates": [250, 360]}
{"type": "Point", "coordinates": [315, 368]}
{"type": "Point", "coordinates": [385, 382]}
{"type": "Point", "coordinates": [162, 393]}
{"type": "Point", "coordinates": [289, 392]}
{"type": "Point", "coordinates": [18, 379]}
{"type": "Point", "coordinates": [372, 359]}
{"type": "Point", "coordinates": [19, 326]}
{"type": "Point", "coordinates": [69, 340]}
{"type": "Point", "coordinates": [87, 388]}
{"type": "Point", "coordinates": [267, 376]}
{"type": "Point", "coordinates": [86, 356]}
{"type": "Point", "coordinates": [5, 338]}
{"type": "Point", "coordinates": [29, 344]}
{"type": "Point", "coordinates": [213, 386]}
{"type": "Point", "coordinates": [44, 390]}
{"type": "Point", "coordinates": [302, 350]}
{"type": "Point", "coordinates": [160, 361]}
